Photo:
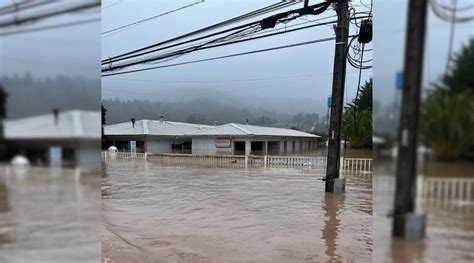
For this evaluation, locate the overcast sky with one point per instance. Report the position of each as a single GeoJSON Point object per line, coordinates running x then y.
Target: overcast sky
{"type": "Point", "coordinates": [73, 50]}
{"type": "Point", "coordinates": [389, 31]}
{"type": "Point", "coordinates": [316, 59]}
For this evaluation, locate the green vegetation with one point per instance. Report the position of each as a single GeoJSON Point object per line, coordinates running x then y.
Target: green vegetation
{"type": "Point", "coordinates": [209, 111]}
{"type": "Point", "coordinates": [448, 111]}
{"type": "Point", "coordinates": [357, 119]}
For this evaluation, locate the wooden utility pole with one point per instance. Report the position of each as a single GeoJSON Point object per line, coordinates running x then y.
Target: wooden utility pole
{"type": "Point", "coordinates": [406, 223]}
{"type": "Point", "coordinates": [335, 184]}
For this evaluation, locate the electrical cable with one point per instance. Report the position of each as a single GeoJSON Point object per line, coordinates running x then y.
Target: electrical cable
{"type": "Point", "coordinates": [29, 30]}
{"type": "Point", "coordinates": [201, 47]}
{"type": "Point", "coordinates": [449, 14]}
{"type": "Point", "coordinates": [202, 30]}
{"type": "Point", "coordinates": [128, 55]}
{"type": "Point", "coordinates": [216, 45]}
{"type": "Point", "coordinates": [127, 26]}
{"type": "Point", "coordinates": [226, 56]}
{"type": "Point", "coordinates": [36, 17]}
{"type": "Point", "coordinates": [22, 6]}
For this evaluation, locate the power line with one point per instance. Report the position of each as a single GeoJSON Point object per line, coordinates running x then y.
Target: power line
{"type": "Point", "coordinates": [127, 26]}
{"type": "Point", "coordinates": [189, 50]}
{"type": "Point", "coordinates": [75, 23]}
{"type": "Point", "coordinates": [16, 7]}
{"type": "Point", "coordinates": [202, 47]}
{"type": "Point", "coordinates": [273, 7]}
{"type": "Point", "coordinates": [111, 67]}
{"type": "Point", "coordinates": [116, 3]}
{"type": "Point", "coordinates": [227, 80]}
{"type": "Point", "coordinates": [226, 56]}
{"type": "Point", "coordinates": [49, 13]}
{"type": "Point", "coordinates": [449, 14]}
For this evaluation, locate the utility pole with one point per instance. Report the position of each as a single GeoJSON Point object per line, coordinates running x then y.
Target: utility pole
{"type": "Point", "coordinates": [334, 184]}
{"type": "Point", "coordinates": [406, 223]}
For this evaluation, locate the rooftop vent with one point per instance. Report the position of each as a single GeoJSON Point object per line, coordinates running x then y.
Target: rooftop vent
{"type": "Point", "coordinates": [133, 122]}
{"type": "Point", "coordinates": [56, 116]}
{"type": "Point", "coordinates": [162, 118]}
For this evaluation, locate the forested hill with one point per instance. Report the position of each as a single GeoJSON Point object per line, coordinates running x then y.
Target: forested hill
{"type": "Point", "coordinates": [29, 96]}
{"type": "Point", "coordinates": [207, 111]}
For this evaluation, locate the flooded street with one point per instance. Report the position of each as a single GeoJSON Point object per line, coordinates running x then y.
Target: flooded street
{"type": "Point", "coordinates": [49, 215]}
{"type": "Point", "coordinates": [156, 213]}
{"type": "Point", "coordinates": [450, 226]}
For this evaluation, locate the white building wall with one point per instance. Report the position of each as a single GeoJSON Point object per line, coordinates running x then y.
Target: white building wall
{"type": "Point", "coordinates": [208, 146]}
{"type": "Point", "coordinates": [88, 154]}
{"type": "Point", "coordinates": [297, 146]}
{"type": "Point", "coordinates": [152, 146]}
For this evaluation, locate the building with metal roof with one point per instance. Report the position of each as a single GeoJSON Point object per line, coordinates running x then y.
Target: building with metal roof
{"type": "Point", "coordinates": [167, 137]}
{"type": "Point", "coordinates": [154, 136]}
{"type": "Point", "coordinates": [68, 138]}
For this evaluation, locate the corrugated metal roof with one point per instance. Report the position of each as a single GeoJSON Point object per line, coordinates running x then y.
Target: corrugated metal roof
{"type": "Point", "coordinates": [234, 129]}
{"type": "Point", "coordinates": [153, 127]}
{"type": "Point", "coordinates": [74, 124]}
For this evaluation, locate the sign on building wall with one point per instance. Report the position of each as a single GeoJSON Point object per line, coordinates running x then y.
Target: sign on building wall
{"type": "Point", "coordinates": [223, 143]}
{"type": "Point", "coordinates": [55, 156]}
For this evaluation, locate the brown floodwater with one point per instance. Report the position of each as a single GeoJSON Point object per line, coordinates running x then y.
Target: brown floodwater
{"type": "Point", "coordinates": [450, 224]}
{"type": "Point", "coordinates": [49, 215]}
{"type": "Point", "coordinates": [155, 213]}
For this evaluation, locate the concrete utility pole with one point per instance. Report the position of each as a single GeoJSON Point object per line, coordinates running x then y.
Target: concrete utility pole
{"type": "Point", "coordinates": [334, 184]}
{"type": "Point", "coordinates": [406, 223]}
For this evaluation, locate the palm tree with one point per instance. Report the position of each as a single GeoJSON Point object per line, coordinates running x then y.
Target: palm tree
{"type": "Point", "coordinates": [358, 127]}
{"type": "Point", "coordinates": [447, 122]}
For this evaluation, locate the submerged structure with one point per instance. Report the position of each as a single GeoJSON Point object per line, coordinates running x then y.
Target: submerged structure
{"type": "Point", "coordinates": [69, 138]}
{"type": "Point", "coordinates": [161, 136]}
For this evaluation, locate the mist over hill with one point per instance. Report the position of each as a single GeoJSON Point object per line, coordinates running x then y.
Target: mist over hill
{"type": "Point", "coordinates": [210, 111]}
{"type": "Point", "coordinates": [28, 96]}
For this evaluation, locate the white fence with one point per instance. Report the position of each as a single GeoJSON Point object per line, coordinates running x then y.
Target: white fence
{"type": "Point", "coordinates": [122, 155]}
{"type": "Point", "coordinates": [432, 189]}
{"type": "Point", "coordinates": [346, 164]}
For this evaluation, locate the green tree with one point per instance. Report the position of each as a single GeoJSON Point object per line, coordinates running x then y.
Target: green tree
{"type": "Point", "coordinates": [447, 123]}
{"type": "Point", "coordinates": [460, 78]}
{"type": "Point", "coordinates": [357, 127]}
{"type": "Point", "coordinates": [448, 112]}
{"type": "Point", "coordinates": [357, 119]}
{"type": "Point", "coordinates": [364, 100]}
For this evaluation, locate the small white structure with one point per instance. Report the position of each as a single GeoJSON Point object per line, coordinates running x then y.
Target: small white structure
{"type": "Point", "coordinates": [20, 161]}
{"type": "Point", "coordinates": [112, 149]}
{"type": "Point", "coordinates": [71, 136]}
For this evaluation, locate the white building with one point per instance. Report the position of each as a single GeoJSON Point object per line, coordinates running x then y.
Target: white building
{"type": "Point", "coordinates": [167, 137]}
{"type": "Point", "coordinates": [70, 138]}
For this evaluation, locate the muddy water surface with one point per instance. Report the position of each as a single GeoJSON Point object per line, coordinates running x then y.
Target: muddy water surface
{"type": "Point", "coordinates": [156, 213]}
{"type": "Point", "coordinates": [49, 215]}
{"type": "Point", "coordinates": [450, 224]}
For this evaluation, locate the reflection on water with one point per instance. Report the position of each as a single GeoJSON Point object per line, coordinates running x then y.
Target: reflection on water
{"type": "Point", "coordinates": [450, 229]}
{"type": "Point", "coordinates": [332, 204]}
{"type": "Point", "coordinates": [49, 215]}
{"type": "Point", "coordinates": [183, 214]}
